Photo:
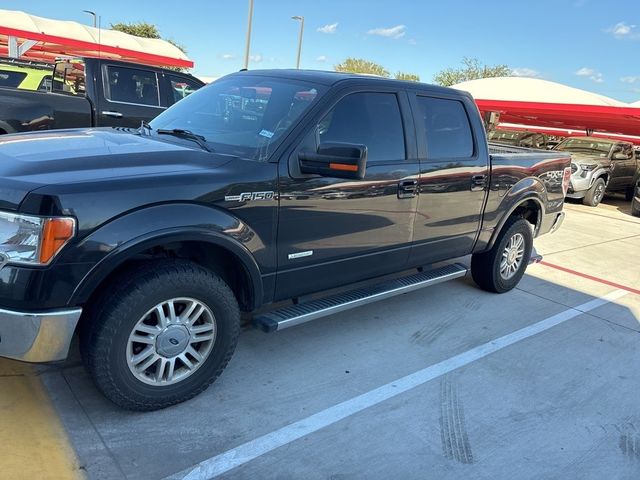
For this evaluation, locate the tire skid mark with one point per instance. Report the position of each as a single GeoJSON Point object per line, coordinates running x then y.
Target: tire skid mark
{"type": "Point", "coordinates": [629, 441]}
{"type": "Point", "coordinates": [453, 430]}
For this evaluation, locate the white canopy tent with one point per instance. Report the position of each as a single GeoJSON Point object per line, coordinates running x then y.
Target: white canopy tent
{"type": "Point", "coordinates": [36, 38]}
{"type": "Point", "coordinates": [521, 89]}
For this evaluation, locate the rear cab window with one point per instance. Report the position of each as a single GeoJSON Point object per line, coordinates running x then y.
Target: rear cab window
{"type": "Point", "coordinates": [446, 128]}
{"type": "Point", "coordinates": [181, 87]}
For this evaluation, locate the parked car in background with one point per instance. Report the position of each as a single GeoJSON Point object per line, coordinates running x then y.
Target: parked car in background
{"type": "Point", "coordinates": [518, 139]}
{"type": "Point", "coordinates": [94, 92]}
{"type": "Point", "coordinates": [25, 76]}
{"type": "Point", "coordinates": [635, 201]}
{"type": "Point", "coordinates": [600, 165]}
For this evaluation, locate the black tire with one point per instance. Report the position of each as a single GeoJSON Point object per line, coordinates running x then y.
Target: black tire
{"type": "Point", "coordinates": [635, 208]}
{"type": "Point", "coordinates": [628, 193]}
{"type": "Point", "coordinates": [105, 332]}
{"type": "Point", "coordinates": [595, 194]}
{"type": "Point", "coordinates": [485, 267]}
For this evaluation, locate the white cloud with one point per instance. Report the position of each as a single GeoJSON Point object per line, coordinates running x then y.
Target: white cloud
{"type": "Point", "coordinates": [592, 74]}
{"type": "Point", "coordinates": [398, 31]}
{"type": "Point", "coordinates": [623, 30]}
{"type": "Point", "coordinates": [228, 56]}
{"type": "Point", "coordinates": [256, 58]}
{"type": "Point", "coordinates": [329, 28]}
{"type": "Point", "coordinates": [630, 79]}
{"type": "Point", "coordinates": [525, 72]}
{"type": "Point", "coordinates": [412, 41]}
{"type": "Point", "coordinates": [321, 58]}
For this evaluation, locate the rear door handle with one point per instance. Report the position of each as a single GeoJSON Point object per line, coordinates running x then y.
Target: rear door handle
{"type": "Point", "coordinates": [478, 182]}
{"type": "Point", "coordinates": [109, 113]}
{"type": "Point", "coordinates": [407, 188]}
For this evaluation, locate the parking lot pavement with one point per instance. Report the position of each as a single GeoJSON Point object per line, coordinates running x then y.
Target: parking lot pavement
{"type": "Point", "coordinates": [548, 402]}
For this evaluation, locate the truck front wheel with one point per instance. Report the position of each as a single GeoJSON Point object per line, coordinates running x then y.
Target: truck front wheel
{"type": "Point", "coordinates": [160, 335]}
{"type": "Point", "coordinates": [595, 194]}
{"type": "Point", "coordinates": [501, 268]}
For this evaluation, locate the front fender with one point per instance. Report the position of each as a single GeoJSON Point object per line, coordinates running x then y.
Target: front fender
{"type": "Point", "coordinates": [112, 244]}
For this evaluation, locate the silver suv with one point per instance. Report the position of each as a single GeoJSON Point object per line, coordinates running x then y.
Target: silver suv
{"type": "Point", "coordinates": [599, 165]}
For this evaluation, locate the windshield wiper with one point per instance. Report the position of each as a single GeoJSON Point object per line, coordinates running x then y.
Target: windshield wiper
{"type": "Point", "coordinates": [189, 135]}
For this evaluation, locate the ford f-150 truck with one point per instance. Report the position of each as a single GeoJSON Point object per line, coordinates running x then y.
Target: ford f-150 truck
{"type": "Point", "coordinates": [262, 188]}
{"type": "Point", "coordinates": [94, 92]}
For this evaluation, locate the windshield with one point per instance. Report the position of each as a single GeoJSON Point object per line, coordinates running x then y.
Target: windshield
{"type": "Point", "coordinates": [601, 148]}
{"type": "Point", "coordinates": [241, 115]}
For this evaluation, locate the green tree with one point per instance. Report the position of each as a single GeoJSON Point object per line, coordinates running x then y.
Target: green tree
{"type": "Point", "coordinates": [146, 30]}
{"type": "Point", "coordinates": [360, 65]}
{"type": "Point", "coordinates": [472, 69]}
{"type": "Point", "coordinates": [411, 77]}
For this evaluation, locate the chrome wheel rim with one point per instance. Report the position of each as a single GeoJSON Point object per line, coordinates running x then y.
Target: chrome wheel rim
{"type": "Point", "coordinates": [512, 256]}
{"type": "Point", "coordinates": [599, 193]}
{"type": "Point", "coordinates": [171, 341]}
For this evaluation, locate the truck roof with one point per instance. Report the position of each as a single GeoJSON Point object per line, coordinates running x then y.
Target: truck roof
{"type": "Point", "coordinates": [329, 78]}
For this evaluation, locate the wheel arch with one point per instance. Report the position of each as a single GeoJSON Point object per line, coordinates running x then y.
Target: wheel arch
{"type": "Point", "coordinates": [528, 206]}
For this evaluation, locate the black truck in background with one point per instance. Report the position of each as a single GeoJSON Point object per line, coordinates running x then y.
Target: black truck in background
{"type": "Point", "coordinates": [263, 187]}
{"type": "Point", "coordinates": [93, 92]}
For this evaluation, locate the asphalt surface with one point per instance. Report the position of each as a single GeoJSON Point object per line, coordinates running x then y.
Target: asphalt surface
{"type": "Point", "coordinates": [557, 402]}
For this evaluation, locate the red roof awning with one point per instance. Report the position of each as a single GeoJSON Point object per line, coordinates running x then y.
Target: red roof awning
{"type": "Point", "coordinates": [622, 120]}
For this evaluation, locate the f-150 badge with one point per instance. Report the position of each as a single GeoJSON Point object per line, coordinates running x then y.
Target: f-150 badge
{"type": "Point", "coordinates": [247, 196]}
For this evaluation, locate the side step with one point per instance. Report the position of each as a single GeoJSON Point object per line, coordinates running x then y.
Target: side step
{"type": "Point", "coordinates": [304, 312]}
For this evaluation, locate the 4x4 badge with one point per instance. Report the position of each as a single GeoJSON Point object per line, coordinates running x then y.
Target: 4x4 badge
{"type": "Point", "coordinates": [247, 196]}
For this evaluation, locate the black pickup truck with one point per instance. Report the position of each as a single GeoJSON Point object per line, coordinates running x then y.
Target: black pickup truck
{"type": "Point", "coordinates": [94, 92]}
{"type": "Point", "coordinates": [263, 187]}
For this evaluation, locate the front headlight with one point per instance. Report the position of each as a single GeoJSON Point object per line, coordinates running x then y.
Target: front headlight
{"type": "Point", "coordinates": [30, 240]}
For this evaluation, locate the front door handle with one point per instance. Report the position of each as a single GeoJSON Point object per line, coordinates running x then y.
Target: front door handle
{"type": "Point", "coordinates": [478, 182]}
{"type": "Point", "coordinates": [407, 188]}
{"type": "Point", "coordinates": [109, 113]}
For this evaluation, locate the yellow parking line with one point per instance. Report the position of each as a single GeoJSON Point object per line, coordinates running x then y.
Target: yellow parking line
{"type": "Point", "coordinates": [32, 439]}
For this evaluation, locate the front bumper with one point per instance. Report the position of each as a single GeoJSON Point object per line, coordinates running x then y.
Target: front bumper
{"type": "Point", "coordinates": [37, 337]}
{"type": "Point", "coordinates": [578, 186]}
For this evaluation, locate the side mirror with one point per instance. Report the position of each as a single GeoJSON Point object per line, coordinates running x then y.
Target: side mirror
{"type": "Point", "coordinates": [620, 156]}
{"type": "Point", "coordinates": [339, 160]}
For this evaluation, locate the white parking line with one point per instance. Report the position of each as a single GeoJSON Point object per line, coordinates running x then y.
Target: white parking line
{"type": "Point", "coordinates": [253, 449]}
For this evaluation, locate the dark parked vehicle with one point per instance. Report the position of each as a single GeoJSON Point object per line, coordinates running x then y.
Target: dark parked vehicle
{"type": "Point", "coordinates": [94, 92]}
{"type": "Point", "coordinates": [518, 138]}
{"type": "Point", "coordinates": [262, 187]}
{"type": "Point", "coordinates": [635, 201]}
{"type": "Point", "coordinates": [599, 165]}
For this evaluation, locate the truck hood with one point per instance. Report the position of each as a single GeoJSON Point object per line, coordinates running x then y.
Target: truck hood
{"type": "Point", "coordinates": [29, 161]}
{"type": "Point", "coordinates": [581, 158]}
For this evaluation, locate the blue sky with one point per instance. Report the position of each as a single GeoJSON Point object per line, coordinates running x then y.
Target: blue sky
{"type": "Point", "coordinates": [589, 44]}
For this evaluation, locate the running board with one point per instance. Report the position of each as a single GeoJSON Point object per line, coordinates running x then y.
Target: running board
{"type": "Point", "coordinates": [304, 312]}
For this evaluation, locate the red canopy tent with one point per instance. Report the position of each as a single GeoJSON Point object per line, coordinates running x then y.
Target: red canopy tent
{"type": "Point", "coordinates": [29, 37]}
{"type": "Point", "coordinates": [540, 103]}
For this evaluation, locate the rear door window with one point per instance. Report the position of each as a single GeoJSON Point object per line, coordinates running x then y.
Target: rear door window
{"type": "Point", "coordinates": [11, 79]}
{"type": "Point", "coordinates": [181, 87]}
{"type": "Point", "coordinates": [132, 85]}
{"type": "Point", "coordinates": [446, 127]}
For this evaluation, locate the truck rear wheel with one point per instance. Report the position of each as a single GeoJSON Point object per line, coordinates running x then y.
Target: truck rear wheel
{"type": "Point", "coordinates": [501, 268]}
{"type": "Point", "coordinates": [161, 335]}
{"type": "Point", "coordinates": [595, 194]}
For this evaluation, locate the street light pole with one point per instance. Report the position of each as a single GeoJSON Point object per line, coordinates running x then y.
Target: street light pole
{"type": "Point", "coordinates": [301, 20]}
{"type": "Point", "coordinates": [248, 43]}
{"type": "Point", "coordinates": [94, 16]}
